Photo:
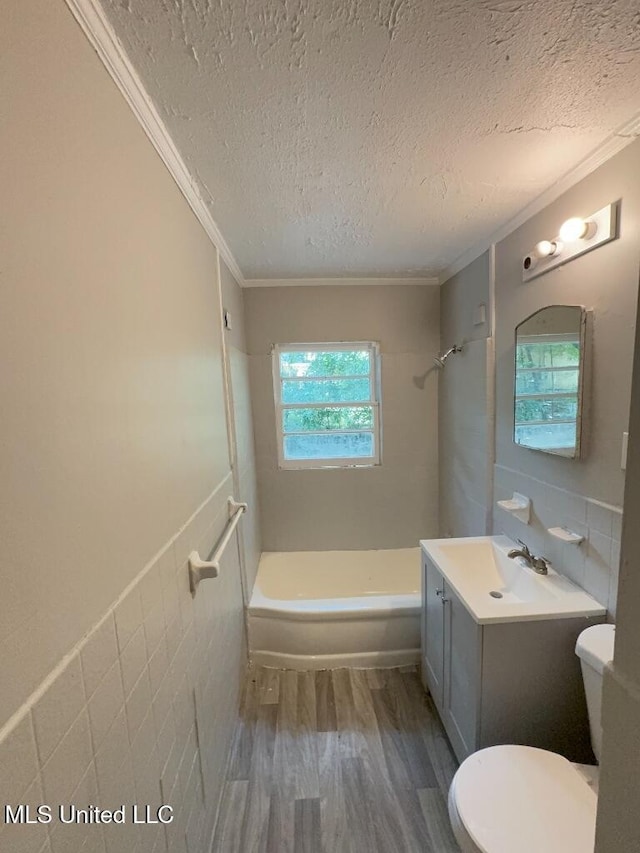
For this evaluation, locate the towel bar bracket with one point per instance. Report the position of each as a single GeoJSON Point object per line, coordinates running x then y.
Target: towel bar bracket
{"type": "Point", "coordinates": [200, 569]}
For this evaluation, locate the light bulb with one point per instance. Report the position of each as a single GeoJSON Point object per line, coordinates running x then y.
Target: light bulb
{"type": "Point", "coordinates": [574, 229]}
{"type": "Point", "coordinates": [546, 248]}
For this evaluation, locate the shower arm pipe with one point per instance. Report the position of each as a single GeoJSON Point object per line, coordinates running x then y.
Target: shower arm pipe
{"type": "Point", "coordinates": [199, 569]}
{"type": "Point", "coordinates": [452, 350]}
{"type": "Point", "coordinates": [439, 360]}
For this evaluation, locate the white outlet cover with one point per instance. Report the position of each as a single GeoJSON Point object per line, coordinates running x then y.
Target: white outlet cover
{"type": "Point", "coordinates": [480, 314]}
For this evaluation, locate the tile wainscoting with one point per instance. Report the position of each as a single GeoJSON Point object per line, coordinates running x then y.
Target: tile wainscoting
{"type": "Point", "coordinates": [141, 711]}
{"type": "Point", "coordinates": [595, 562]}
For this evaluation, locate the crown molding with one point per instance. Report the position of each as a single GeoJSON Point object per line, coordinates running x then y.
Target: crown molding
{"type": "Point", "coordinates": [612, 145]}
{"type": "Point", "coordinates": [91, 18]}
{"type": "Point", "coordinates": [339, 282]}
{"type": "Point", "coordinates": [90, 15]}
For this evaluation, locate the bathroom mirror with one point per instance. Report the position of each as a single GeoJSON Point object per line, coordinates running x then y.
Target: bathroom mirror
{"type": "Point", "coordinates": [549, 379]}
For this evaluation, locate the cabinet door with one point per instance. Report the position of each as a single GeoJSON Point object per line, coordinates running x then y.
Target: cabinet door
{"type": "Point", "coordinates": [462, 670]}
{"type": "Point", "coordinates": [433, 630]}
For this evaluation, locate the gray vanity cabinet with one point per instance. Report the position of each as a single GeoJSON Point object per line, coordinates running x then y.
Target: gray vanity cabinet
{"type": "Point", "coordinates": [451, 659]}
{"type": "Point", "coordinates": [506, 682]}
{"type": "Point", "coordinates": [463, 648]}
{"type": "Point", "coordinates": [433, 631]}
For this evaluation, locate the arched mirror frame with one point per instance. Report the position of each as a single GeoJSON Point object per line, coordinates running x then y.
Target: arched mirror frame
{"type": "Point", "coordinates": [548, 375]}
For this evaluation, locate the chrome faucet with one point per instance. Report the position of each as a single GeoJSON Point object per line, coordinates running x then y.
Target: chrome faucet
{"type": "Point", "coordinates": [540, 565]}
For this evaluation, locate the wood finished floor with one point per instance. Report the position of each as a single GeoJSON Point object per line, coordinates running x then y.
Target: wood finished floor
{"type": "Point", "coordinates": [338, 761]}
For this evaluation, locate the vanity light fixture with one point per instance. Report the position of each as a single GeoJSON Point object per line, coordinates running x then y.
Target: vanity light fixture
{"type": "Point", "coordinates": [547, 248]}
{"type": "Point", "coordinates": [577, 229]}
{"type": "Point", "coordinates": [575, 237]}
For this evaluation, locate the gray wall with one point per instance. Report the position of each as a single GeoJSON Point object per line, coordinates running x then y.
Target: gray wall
{"type": "Point", "coordinates": [465, 405]}
{"type": "Point", "coordinates": [606, 281]}
{"type": "Point", "coordinates": [460, 296]}
{"type": "Point", "coordinates": [243, 447]}
{"type": "Point", "coordinates": [586, 494]}
{"type": "Point", "coordinates": [618, 826]}
{"type": "Point", "coordinates": [392, 505]}
{"type": "Point", "coordinates": [117, 686]}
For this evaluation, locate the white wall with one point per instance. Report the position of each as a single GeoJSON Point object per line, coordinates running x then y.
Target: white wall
{"type": "Point", "coordinates": [114, 460]}
{"type": "Point", "coordinates": [392, 505]}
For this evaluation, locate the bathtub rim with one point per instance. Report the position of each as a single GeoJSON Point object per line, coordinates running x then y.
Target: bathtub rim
{"type": "Point", "coordinates": [334, 609]}
{"type": "Point", "coordinates": [296, 633]}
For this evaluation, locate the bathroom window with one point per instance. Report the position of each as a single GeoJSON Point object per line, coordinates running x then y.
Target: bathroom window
{"type": "Point", "coordinates": [547, 389]}
{"type": "Point", "coordinates": [327, 405]}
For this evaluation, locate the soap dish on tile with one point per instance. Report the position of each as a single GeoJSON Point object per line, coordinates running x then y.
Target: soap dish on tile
{"type": "Point", "coordinates": [565, 535]}
{"type": "Point", "coordinates": [519, 505]}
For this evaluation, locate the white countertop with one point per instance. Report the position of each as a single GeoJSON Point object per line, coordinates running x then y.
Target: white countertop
{"type": "Point", "coordinates": [476, 566]}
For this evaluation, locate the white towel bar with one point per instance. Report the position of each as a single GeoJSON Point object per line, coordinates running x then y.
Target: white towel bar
{"type": "Point", "coordinates": [200, 569]}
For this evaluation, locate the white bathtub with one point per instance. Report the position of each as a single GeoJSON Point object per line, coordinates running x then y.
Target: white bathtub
{"type": "Point", "coordinates": [327, 609]}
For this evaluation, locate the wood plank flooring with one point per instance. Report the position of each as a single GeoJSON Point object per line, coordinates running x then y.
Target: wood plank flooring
{"type": "Point", "coordinates": [342, 761]}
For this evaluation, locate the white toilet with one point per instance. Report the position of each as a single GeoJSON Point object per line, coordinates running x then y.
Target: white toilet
{"type": "Point", "coordinates": [517, 798]}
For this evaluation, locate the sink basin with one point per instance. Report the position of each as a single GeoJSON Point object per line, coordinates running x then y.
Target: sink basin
{"type": "Point", "coordinates": [495, 588]}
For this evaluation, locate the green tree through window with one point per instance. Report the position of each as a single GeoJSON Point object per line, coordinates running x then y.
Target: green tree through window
{"type": "Point", "coordinates": [327, 403]}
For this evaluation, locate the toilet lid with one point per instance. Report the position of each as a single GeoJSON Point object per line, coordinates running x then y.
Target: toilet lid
{"type": "Point", "coordinates": [519, 798]}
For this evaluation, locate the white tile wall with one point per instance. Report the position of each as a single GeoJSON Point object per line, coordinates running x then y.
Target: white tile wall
{"type": "Point", "coordinates": [595, 562]}
{"type": "Point", "coordinates": [142, 711]}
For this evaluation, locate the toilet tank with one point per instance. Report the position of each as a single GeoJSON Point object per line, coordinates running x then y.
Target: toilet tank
{"type": "Point", "coordinates": [595, 649]}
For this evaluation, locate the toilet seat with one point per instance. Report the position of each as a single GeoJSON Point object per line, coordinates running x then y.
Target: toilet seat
{"type": "Point", "coordinates": [508, 798]}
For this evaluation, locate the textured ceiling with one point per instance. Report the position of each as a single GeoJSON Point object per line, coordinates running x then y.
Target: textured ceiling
{"type": "Point", "coordinates": [355, 137]}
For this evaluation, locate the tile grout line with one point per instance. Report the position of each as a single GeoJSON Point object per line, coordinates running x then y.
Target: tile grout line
{"type": "Point", "coordinates": [16, 718]}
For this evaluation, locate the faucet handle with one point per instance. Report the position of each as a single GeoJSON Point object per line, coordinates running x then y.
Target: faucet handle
{"type": "Point", "coordinates": [525, 547]}
{"type": "Point", "coordinates": [541, 565]}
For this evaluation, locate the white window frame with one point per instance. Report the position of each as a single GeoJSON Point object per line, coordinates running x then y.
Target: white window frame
{"type": "Point", "coordinates": [548, 395]}
{"type": "Point", "coordinates": [374, 402]}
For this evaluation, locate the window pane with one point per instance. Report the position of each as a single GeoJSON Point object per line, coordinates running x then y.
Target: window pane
{"type": "Point", "coordinates": [547, 436]}
{"type": "Point", "coordinates": [531, 355]}
{"type": "Point", "coordinates": [533, 410]}
{"type": "Point", "coordinates": [546, 381]}
{"type": "Point", "coordinates": [333, 445]}
{"type": "Point", "coordinates": [546, 409]}
{"type": "Point", "coordinates": [565, 380]}
{"type": "Point", "coordinates": [534, 382]}
{"type": "Point", "coordinates": [347, 417]}
{"type": "Point", "coordinates": [548, 354]}
{"type": "Point", "coordinates": [566, 354]}
{"type": "Point", "coordinates": [566, 409]}
{"type": "Point", "coordinates": [329, 363]}
{"type": "Point", "coordinates": [326, 391]}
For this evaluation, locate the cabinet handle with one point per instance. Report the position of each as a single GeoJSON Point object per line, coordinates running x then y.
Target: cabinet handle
{"type": "Point", "coordinates": [444, 600]}
{"type": "Point", "coordinates": [440, 592]}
